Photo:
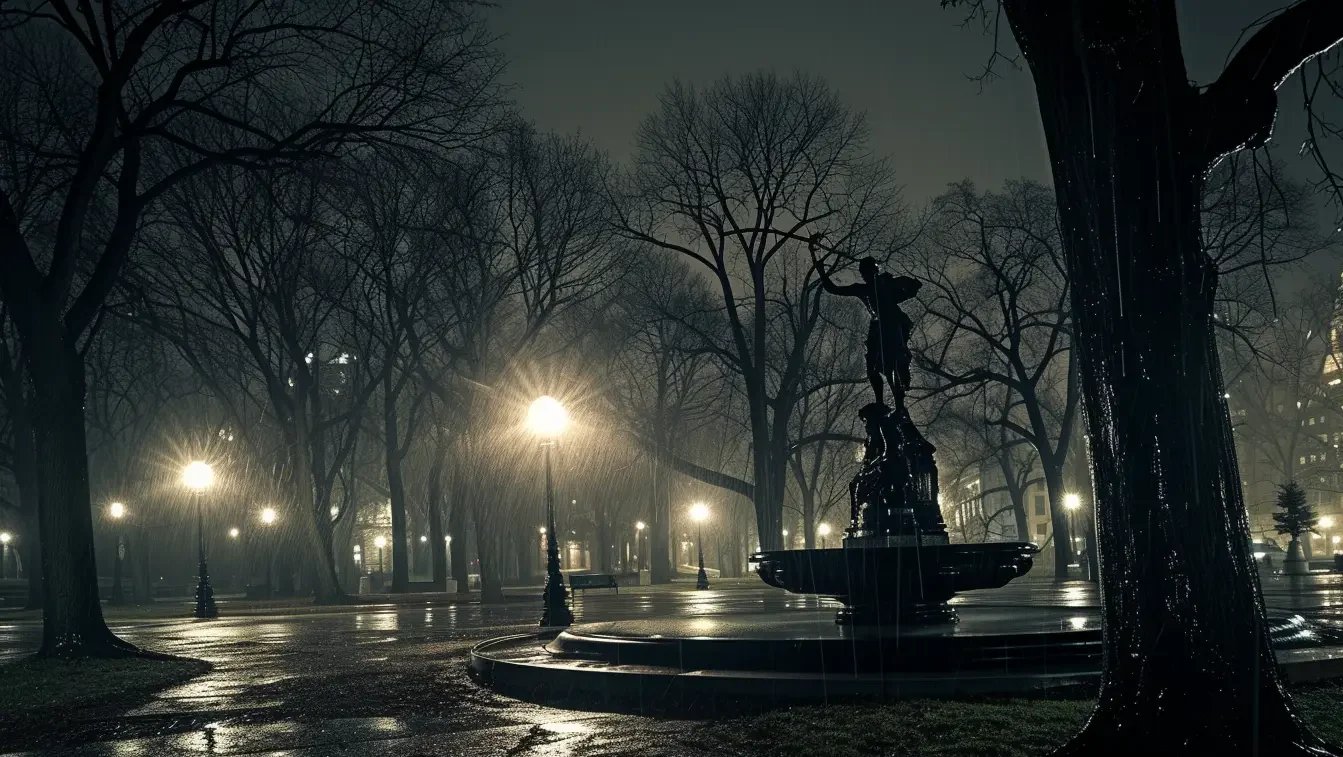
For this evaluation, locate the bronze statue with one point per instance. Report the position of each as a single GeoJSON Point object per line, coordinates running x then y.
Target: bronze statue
{"type": "Point", "coordinates": [888, 355]}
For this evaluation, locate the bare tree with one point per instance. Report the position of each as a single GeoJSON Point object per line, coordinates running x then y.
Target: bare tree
{"type": "Point", "coordinates": [108, 107]}
{"type": "Point", "coordinates": [1131, 142]}
{"type": "Point", "coordinates": [663, 385]}
{"type": "Point", "coordinates": [995, 312]}
{"type": "Point", "coordinates": [732, 179]}
{"type": "Point", "coordinates": [1282, 399]}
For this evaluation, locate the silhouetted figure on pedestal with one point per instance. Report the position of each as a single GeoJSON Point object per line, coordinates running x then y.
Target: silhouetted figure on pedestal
{"type": "Point", "coordinates": [888, 355]}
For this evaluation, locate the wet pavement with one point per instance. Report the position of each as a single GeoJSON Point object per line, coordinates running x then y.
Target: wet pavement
{"type": "Point", "coordinates": [391, 680]}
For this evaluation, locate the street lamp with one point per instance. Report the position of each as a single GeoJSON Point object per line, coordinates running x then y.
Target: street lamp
{"type": "Point", "coordinates": [1071, 503]}
{"type": "Point", "coordinates": [4, 551]}
{"type": "Point", "coordinates": [268, 519]}
{"type": "Point", "coordinates": [699, 512]}
{"type": "Point", "coordinates": [639, 542]}
{"type": "Point", "coordinates": [379, 543]}
{"type": "Point", "coordinates": [547, 418]}
{"type": "Point", "coordinates": [116, 511]}
{"type": "Point", "coordinates": [199, 476]}
{"type": "Point", "coordinates": [233, 532]}
{"type": "Point", "coordinates": [824, 531]}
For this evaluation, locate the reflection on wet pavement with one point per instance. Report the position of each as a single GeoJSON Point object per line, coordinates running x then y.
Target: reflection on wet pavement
{"type": "Point", "coordinates": [391, 680]}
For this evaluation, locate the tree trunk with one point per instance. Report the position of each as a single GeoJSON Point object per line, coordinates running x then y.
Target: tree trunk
{"type": "Point", "coordinates": [1187, 663]}
{"type": "Point", "coordinates": [25, 479]}
{"type": "Point", "coordinates": [491, 589]}
{"type": "Point", "coordinates": [72, 624]}
{"type": "Point", "coordinates": [396, 490]}
{"type": "Point", "coordinates": [1058, 518]}
{"type": "Point", "coordinates": [660, 560]}
{"type": "Point", "coordinates": [457, 558]}
{"type": "Point", "coordinates": [438, 545]}
{"type": "Point", "coordinates": [317, 539]}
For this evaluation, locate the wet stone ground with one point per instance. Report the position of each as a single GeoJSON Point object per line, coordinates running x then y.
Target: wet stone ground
{"type": "Point", "coordinates": [391, 680]}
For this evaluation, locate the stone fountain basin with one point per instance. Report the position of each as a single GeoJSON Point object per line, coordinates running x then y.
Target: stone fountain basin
{"type": "Point", "coordinates": [898, 581]}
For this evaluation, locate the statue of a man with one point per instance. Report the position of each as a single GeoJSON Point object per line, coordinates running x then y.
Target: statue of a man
{"type": "Point", "coordinates": [888, 355]}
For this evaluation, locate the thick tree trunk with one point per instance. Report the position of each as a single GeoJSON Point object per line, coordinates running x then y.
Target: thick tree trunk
{"type": "Point", "coordinates": [1187, 665]}
{"type": "Point", "coordinates": [72, 624]}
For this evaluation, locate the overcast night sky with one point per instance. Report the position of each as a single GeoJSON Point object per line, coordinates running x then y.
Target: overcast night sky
{"type": "Point", "coordinates": [597, 66]}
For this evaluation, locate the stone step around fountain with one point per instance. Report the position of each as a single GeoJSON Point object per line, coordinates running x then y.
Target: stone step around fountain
{"type": "Point", "coordinates": [766, 661]}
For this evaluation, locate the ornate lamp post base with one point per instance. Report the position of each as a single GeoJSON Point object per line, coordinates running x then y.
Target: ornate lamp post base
{"type": "Point", "coordinates": [702, 580]}
{"type": "Point", "coordinates": [205, 595]}
{"type": "Point", "coordinates": [555, 609]}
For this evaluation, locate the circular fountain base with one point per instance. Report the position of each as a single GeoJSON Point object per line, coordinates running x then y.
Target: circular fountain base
{"type": "Point", "coordinates": [799, 654]}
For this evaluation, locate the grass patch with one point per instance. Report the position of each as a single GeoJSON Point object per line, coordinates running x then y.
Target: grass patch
{"type": "Point", "coordinates": [941, 728]}
{"type": "Point", "coordinates": [37, 685]}
{"type": "Point", "coordinates": [947, 728]}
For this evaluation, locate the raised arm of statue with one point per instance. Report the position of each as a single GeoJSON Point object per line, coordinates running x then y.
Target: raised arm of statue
{"type": "Point", "coordinates": [851, 290]}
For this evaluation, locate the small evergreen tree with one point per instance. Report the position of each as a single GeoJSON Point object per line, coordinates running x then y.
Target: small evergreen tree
{"type": "Point", "coordinates": [1294, 516]}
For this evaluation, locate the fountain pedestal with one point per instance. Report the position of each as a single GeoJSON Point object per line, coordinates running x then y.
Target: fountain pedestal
{"type": "Point", "coordinates": [896, 563]}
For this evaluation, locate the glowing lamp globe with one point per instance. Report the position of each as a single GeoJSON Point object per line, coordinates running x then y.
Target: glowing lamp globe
{"type": "Point", "coordinates": [547, 417]}
{"type": "Point", "coordinates": [268, 515]}
{"type": "Point", "coordinates": [233, 533]}
{"type": "Point", "coordinates": [198, 476]}
{"type": "Point", "coordinates": [640, 526]}
{"type": "Point", "coordinates": [1072, 501]}
{"type": "Point", "coordinates": [699, 512]}
{"type": "Point", "coordinates": [116, 510]}
{"type": "Point", "coordinates": [823, 529]}
{"type": "Point", "coordinates": [379, 542]}
{"type": "Point", "coordinates": [1326, 522]}
{"type": "Point", "coordinates": [4, 538]}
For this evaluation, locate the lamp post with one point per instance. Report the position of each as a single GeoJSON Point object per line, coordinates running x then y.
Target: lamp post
{"type": "Point", "coordinates": [1326, 525]}
{"type": "Point", "coordinates": [4, 552]}
{"type": "Point", "coordinates": [547, 418]}
{"type": "Point", "coordinates": [699, 512]}
{"type": "Point", "coordinates": [199, 476]}
{"type": "Point", "coordinates": [823, 530]}
{"type": "Point", "coordinates": [268, 520]}
{"type": "Point", "coordinates": [1071, 503]}
{"type": "Point", "coordinates": [380, 542]}
{"type": "Point", "coordinates": [639, 542]}
{"type": "Point", "coordinates": [116, 511]}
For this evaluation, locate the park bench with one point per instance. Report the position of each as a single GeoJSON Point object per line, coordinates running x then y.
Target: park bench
{"type": "Point", "coordinates": [586, 581]}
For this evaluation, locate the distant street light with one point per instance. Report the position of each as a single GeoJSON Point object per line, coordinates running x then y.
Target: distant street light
{"type": "Point", "coordinates": [547, 418]}
{"type": "Point", "coordinates": [116, 511]}
{"type": "Point", "coordinates": [268, 519]}
{"type": "Point", "coordinates": [199, 476]}
{"type": "Point", "coordinates": [358, 560]}
{"type": "Point", "coordinates": [699, 512]}
{"type": "Point", "coordinates": [233, 532]}
{"type": "Point", "coordinates": [4, 551]}
{"type": "Point", "coordinates": [379, 543]}
{"type": "Point", "coordinates": [824, 531]}
{"type": "Point", "coordinates": [1072, 501]}
{"type": "Point", "coordinates": [639, 543]}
